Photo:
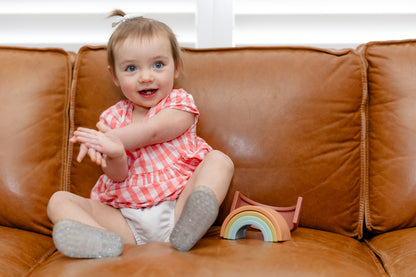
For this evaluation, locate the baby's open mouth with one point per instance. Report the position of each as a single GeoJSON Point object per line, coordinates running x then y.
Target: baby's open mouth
{"type": "Point", "coordinates": [147, 91]}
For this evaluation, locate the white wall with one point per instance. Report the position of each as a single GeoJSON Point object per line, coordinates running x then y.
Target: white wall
{"type": "Point", "coordinates": [212, 23]}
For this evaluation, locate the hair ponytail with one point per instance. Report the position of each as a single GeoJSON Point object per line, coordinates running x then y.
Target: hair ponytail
{"type": "Point", "coordinates": [116, 13]}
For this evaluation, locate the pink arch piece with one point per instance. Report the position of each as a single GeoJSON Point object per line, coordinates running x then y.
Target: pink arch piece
{"type": "Point", "coordinates": [290, 214]}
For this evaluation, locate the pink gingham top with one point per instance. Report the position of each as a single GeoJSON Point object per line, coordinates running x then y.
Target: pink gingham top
{"type": "Point", "coordinates": [157, 172]}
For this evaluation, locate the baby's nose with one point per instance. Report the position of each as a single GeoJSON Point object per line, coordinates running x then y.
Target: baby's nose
{"type": "Point", "coordinates": [146, 77]}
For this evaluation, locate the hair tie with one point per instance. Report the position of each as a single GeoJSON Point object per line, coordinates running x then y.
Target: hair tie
{"type": "Point", "coordinates": [125, 18]}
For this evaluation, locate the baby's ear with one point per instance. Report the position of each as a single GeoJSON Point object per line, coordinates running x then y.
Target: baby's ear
{"type": "Point", "coordinates": [113, 76]}
{"type": "Point", "coordinates": [177, 72]}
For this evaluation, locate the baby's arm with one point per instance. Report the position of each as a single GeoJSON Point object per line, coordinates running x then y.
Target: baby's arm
{"type": "Point", "coordinates": [166, 125]}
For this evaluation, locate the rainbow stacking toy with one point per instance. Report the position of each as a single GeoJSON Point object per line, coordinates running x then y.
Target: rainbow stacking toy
{"type": "Point", "coordinates": [275, 223]}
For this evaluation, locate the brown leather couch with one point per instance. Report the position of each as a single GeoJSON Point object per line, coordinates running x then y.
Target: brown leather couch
{"type": "Point", "coordinates": [337, 127]}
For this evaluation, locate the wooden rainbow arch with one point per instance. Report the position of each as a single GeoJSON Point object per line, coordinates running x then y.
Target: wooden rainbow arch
{"type": "Point", "coordinates": [272, 225]}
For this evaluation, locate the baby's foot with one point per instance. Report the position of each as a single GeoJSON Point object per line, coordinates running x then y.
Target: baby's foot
{"type": "Point", "coordinates": [77, 240]}
{"type": "Point", "coordinates": [199, 213]}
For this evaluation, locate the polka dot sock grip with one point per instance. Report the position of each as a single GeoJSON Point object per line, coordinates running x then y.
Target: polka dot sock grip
{"type": "Point", "coordinates": [77, 240]}
{"type": "Point", "coordinates": [199, 213]}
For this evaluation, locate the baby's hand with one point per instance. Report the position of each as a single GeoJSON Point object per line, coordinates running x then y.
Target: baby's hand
{"type": "Point", "coordinates": [95, 156]}
{"type": "Point", "coordinates": [104, 143]}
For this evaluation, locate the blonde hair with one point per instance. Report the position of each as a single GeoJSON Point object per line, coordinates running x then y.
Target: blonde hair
{"type": "Point", "coordinates": [141, 27]}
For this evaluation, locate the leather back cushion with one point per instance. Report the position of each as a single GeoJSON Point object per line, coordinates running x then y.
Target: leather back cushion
{"type": "Point", "coordinates": [290, 118]}
{"type": "Point", "coordinates": [34, 92]}
{"type": "Point", "coordinates": [92, 93]}
{"type": "Point", "coordinates": [392, 135]}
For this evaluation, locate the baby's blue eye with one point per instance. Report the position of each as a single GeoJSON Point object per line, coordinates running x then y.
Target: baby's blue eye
{"type": "Point", "coordinates": [130, 68]}
{"type": "Point", "coordinates": [158, 65]}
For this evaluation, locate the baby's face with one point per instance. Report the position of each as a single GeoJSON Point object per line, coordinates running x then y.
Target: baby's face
{"type": "Point", "coordinates": [145, 70]}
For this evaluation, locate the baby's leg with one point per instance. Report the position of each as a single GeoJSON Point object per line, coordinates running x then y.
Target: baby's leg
{"type": "Point", "coordinates": [86, 228]}
{"type": "Point", "coordinates": [197, 207]}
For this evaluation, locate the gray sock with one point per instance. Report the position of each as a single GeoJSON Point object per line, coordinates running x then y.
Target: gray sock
{"type": "Point", "coordinates": [198, 215]}
{"type": "Point", "coordinates": [77, 240]}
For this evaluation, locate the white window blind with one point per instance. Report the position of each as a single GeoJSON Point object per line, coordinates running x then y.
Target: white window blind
{"type": "Point", "coordinates": [322, 23]}
{"type": "Point", "coordinates": [72, 23]}
{"type": "Point", "coordinates": [69, 24]}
